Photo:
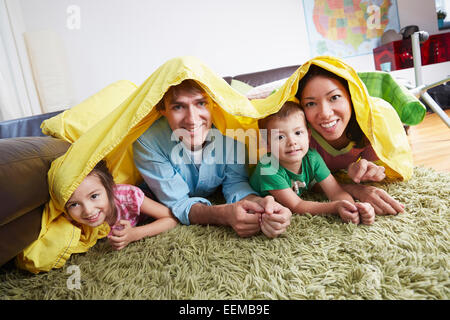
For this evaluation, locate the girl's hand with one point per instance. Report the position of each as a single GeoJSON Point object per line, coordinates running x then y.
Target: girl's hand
{"type": "Point", "coordinates": [364, 170]}
{"type": "Point", "coordinates": [120, 238]}
{"type": "Point", "coordinates": [366, 212]}
{"type": "Point", "coordinates": [347, 211]}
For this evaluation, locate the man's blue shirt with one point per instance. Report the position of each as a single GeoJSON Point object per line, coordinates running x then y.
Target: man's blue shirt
{"type": "Point", "coordinates": [175, 179]}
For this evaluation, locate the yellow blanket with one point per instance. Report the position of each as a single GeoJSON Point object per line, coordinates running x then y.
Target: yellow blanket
{"type": "Point", "coordinates": [111, 138]}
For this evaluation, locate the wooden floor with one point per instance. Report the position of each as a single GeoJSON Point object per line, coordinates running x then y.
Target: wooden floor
{"type": "Point", "coordinates": [430, 143]}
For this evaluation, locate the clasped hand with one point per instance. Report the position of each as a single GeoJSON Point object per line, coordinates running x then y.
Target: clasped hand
{"type": "Point", "coordinates": [364, 170]}
{"type": "Point", "coordinates": [122, 235]}
{"type": "Point", "coordinates": [355, 213]}
{"type": "Point", "coordinates": [261, 214]}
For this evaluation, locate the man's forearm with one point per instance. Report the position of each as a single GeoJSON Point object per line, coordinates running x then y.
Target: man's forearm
{"type": "Point", "coordinates": [203, 214]}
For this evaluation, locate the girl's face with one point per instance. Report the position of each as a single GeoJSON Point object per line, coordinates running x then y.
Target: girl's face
{"type": "Point", "coordinates": [89, 203]}
{"type": "Point", "coordinates": [327, 106]}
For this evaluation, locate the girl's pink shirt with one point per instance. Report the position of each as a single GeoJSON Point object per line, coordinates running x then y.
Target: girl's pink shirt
{"type": "Point", "coordinates": [128, 199]}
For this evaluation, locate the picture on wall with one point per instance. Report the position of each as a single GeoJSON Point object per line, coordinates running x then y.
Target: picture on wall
{"type": "Point", "coordinates": [346, 28]}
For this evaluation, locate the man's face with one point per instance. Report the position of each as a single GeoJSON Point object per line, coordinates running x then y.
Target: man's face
{"type": "Point", "coordinates": [189, 116]}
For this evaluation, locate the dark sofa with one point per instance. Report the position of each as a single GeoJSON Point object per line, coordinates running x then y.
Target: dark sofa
{"type": "Point", "coordinates": [25, 158]}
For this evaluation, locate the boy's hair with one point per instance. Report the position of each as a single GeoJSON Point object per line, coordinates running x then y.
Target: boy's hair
{"type": "Point", "coordinates": [288, 108]}
{"type": "Point", "coordinates": [353, 132]}
{"type": "Point", "coordinates": [188, 85]}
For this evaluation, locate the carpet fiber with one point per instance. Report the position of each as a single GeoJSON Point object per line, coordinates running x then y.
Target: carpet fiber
{"type": "Point", "coordinates": [399, 257]}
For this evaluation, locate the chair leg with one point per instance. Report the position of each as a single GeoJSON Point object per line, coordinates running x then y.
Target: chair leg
{"type": "Point", "coordinates": [435, 107]}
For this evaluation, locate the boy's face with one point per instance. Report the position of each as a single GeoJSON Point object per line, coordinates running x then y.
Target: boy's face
{"type": "Point", "coordinates": [89, 204]}
{"type": "Point", "coordinates": [290, 136]}
{"type": "Point", "coordinates": [189, 117]}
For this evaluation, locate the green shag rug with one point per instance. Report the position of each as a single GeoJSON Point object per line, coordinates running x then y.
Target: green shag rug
{"type": "Point", "coordinates": [399, 257]}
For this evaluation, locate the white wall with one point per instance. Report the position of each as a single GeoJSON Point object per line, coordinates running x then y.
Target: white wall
{"type": "Point", "coordinates": [129, 39]}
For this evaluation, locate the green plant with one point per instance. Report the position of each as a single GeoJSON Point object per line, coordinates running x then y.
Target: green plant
{"type": "Point", "coordinates": [441, 14]}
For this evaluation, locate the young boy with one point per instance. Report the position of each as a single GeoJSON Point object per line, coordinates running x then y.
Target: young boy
{"type": "Point", "coordinates": [299, 168]}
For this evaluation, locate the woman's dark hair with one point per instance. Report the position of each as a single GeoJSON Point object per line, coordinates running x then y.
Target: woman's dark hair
{"type": "Point", "coordinates": [353, 132]}
{"type": "Point", "coordinates": [102, 172]}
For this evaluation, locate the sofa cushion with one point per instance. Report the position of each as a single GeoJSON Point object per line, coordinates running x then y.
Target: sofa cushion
{"type": "Point", "coordinates": [19, 233]}
{"type": "Point", "coordinates": [24, 163]}
{"type": "Point", "coordinates": [256, 79]}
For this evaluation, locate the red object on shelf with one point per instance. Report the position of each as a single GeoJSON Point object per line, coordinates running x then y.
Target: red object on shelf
{"type": "Point", "coordinates": [398, 54]}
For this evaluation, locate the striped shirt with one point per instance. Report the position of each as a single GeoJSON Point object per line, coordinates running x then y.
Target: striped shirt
{"type": "Point", "coordinates": [340, 159]}
{"type": "Point", "coordinates": [128, 199]}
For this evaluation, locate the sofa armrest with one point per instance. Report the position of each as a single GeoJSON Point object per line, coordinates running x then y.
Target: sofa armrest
{"type": "Point", "coordinates": [24, 163]}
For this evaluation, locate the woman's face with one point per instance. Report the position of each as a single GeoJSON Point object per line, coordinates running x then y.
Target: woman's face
{"type": "Point", "coordinates": [328, 108]}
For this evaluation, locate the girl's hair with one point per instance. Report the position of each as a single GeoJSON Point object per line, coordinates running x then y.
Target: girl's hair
{"type": "Point", "coordinates": [102, 172]}
{"type": "Point", "coordinates": [188, 85]}
{"type": "Point", "coordinates": [353, 132]}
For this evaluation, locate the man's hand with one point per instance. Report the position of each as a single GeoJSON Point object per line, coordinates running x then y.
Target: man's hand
{"type": "Point", "coordinates": [364, 170]}
{"type": "Point", "coordinates": [275, 218]}
{"type": "Point", "coordinates": [244, 217]}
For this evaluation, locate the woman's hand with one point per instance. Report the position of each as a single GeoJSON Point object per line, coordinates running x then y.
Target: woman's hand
{"type": "Point", "coordinates": [380, 200]}
{"type": "Point", "coordinates": [364, 170]}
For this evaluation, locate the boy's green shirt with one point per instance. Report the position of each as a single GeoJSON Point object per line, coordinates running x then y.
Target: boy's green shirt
{"type": "Point", "coordinates": [268, 177]}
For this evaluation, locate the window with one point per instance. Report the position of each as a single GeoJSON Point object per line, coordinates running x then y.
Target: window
{"type": "Point", "coordinates": [443, 14]}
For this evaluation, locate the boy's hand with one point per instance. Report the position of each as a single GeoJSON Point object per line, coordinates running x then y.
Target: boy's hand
{"type": "Point", "coordinates": [364, 170]}
{"type": "Point", "coordinates": [366, 212]}
{"type": "Point", "coordinates": [347, 211]}
{"type": "Point", "coordinates": [121, 237]}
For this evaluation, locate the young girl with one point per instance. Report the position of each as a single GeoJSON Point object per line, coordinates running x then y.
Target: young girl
{"type": "Point", "coordinates": [337, 136]}
{"type": "Point", "coordinates": [98, 199]}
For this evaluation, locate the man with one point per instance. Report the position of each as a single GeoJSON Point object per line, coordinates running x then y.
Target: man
{"type": "Point", "coordinates": [182, 182]}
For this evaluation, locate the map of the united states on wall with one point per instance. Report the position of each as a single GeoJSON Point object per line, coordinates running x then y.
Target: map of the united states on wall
{"type": "Point", "coordinates": [348, 27]}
